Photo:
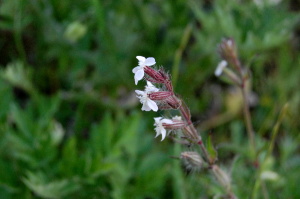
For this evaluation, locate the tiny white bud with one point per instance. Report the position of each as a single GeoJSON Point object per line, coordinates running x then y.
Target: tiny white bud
{"type": "Point", "coordinates": [220, 68]}
{"type": "Point", "coordinates": [269, 175]}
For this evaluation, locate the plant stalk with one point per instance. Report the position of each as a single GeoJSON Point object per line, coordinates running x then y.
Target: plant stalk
{"type": "Point", "coordinates": [248, 119]}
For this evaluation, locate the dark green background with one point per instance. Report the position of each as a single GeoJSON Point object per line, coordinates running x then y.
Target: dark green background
{"type": "Point", "coordinates": [71, 127]}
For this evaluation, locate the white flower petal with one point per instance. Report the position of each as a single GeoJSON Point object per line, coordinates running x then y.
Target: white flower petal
{"type": "Point", "coordinates": [149, 61]}
{"type": "Point", "coordinates": [138, 76]}
{"type": "Point", "coordinates": [145, 107]}
{"type": "Point", "coordinates": [139, 92]}
{"type": "Point", "coordinates": [150, 84]}
{"type": "Point", "coordinates": [177, 118]}
{"type": "Point", "coordinates": [150, 87]}
{"type": "Point", "coordinates": [141, 58]}
{"type": "Point", "coordinates": [134, 70]}
{"type": "Point", "coordinates": [152, 105]}
{"type": "Point", "coordinates": [167, 121]}
{"type": "Point", "coordinates": [157, 119]}
{"type": "Point", "coordinates": [163, 133]}
{"type": "Point", "coordinates": [220, 68]}
{"type": "Point", "coordinates": [157, 131]}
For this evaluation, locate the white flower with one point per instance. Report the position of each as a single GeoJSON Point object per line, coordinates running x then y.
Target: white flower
{"type": "Point", "coordinates": [220, 68]}
{"type": "Point", "coordinates": [269, 175]}
{"type": "Point", "coordinates": [139, 70]}
{"type": "Point", "coordinates": [177, 118]}
{"type": "Point", "coordinates": [148, 104]}
{"type": "Point", "coordinates": [229, 43]}
{"type": "Point", "coordinates": [159, 128]}
{"type": "Point", "coordinates": [150, 87]}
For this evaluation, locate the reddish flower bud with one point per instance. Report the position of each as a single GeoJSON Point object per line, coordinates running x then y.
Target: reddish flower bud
{"type": "Point", "coordinates": [228, 49]}
{"type": "Point", "coordinates": [155, 76]}
{"type": "Point", "coordinates": [173, 102]}
{"type": "Point", "coordinates": [161, 95]}
{"type": "Point", "coordinates": [177, 123]}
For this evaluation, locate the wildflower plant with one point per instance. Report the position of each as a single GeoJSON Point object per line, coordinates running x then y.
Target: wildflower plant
{"type": "Point", "coordinates": [159, 95]}
{"type": "Point", "coordinates": [238, 76]}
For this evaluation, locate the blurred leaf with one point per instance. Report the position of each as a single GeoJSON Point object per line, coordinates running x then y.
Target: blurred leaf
{"type": "Point", "coordinates": [57, 133]}
{"type": "Point", "coordinates": [75, 31]}
{"type": "Point", "coordinates": [49, 189]}
{"type": "Point", "coordinates": [211, 150]}
{"type": "Point", "coordinates": [19, 76]}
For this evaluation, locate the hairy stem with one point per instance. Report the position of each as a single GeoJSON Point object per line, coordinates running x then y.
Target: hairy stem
{"type": "Point", "coordinates": [216, 170]}
{"type": "Point", "coordinates": [247, 115]}
{"type": "Point", "coordinates": [248, 119]}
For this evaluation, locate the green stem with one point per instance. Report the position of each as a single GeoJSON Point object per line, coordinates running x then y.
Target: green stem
{"type": "Point", "coordinates": [197, 138]}
{"type": "Point", "coordinates": [178, 55]}
{"type": "Point", "coordinates": [18, 32]}
{"type": "Point", "coordinates": [248, 120]}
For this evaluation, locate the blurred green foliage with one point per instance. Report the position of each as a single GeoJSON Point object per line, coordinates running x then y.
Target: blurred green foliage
{"type": "Point", "coordinates": [70, 126]}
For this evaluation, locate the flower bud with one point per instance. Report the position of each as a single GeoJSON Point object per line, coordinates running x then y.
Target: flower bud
{"type": "Point", "coordinates": [191, 134]}
{"type": "Point", "coordinates": [154, 75]}
{"type": "Point", "coordinates": [161, 95]}
{"type": "Point", "coordinates": [228, 49]}
{"type": "Point", "coordinates": [192, 160]}
{"type": "Point", "coordinates": [222, 177]}
{"type": "Point", "coordinates": [173, 102]}
{"type": "Point", "coordinates": [177, 123]}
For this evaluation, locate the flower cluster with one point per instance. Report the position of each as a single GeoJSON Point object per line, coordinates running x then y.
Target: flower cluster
{"type": "Point", "coordinates": [153, 98]}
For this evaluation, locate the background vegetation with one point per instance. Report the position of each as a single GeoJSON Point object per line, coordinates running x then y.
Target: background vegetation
{"type": "Point", "coordinates": [71, 127]}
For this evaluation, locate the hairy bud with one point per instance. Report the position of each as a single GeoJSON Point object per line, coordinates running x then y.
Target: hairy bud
{"type": "Point", "coordinates": [192, 160]}
{"type": "Point", "coordinates": [222, 177]}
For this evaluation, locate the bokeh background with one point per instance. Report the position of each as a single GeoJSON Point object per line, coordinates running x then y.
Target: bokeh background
{"type": "Point", "coordinates": [71, 126]}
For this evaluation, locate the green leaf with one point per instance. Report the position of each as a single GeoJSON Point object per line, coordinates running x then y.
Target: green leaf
{"type": "Point", "coordinates": [38, 183]}
{"type": "Point", "coordinates": [211, 150]}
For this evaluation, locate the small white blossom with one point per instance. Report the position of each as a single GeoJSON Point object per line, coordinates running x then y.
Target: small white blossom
{"type": "Point", "coordinates": [229, 43]}
{"type": "Point", "coordinates": [177, 118]}
{"type": "Point", "coordinates": [159, 128]}
{"type": "Point", "coordinates": [269, 175]}
{"type": "Point", "coordinates": [150, 87]}
{"type": "Point", "coordinates": [220, 68]}
{"type": "Point", "coordinates": [148, 104]}
{"type": "Point", "coordinates": [139, 70]}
